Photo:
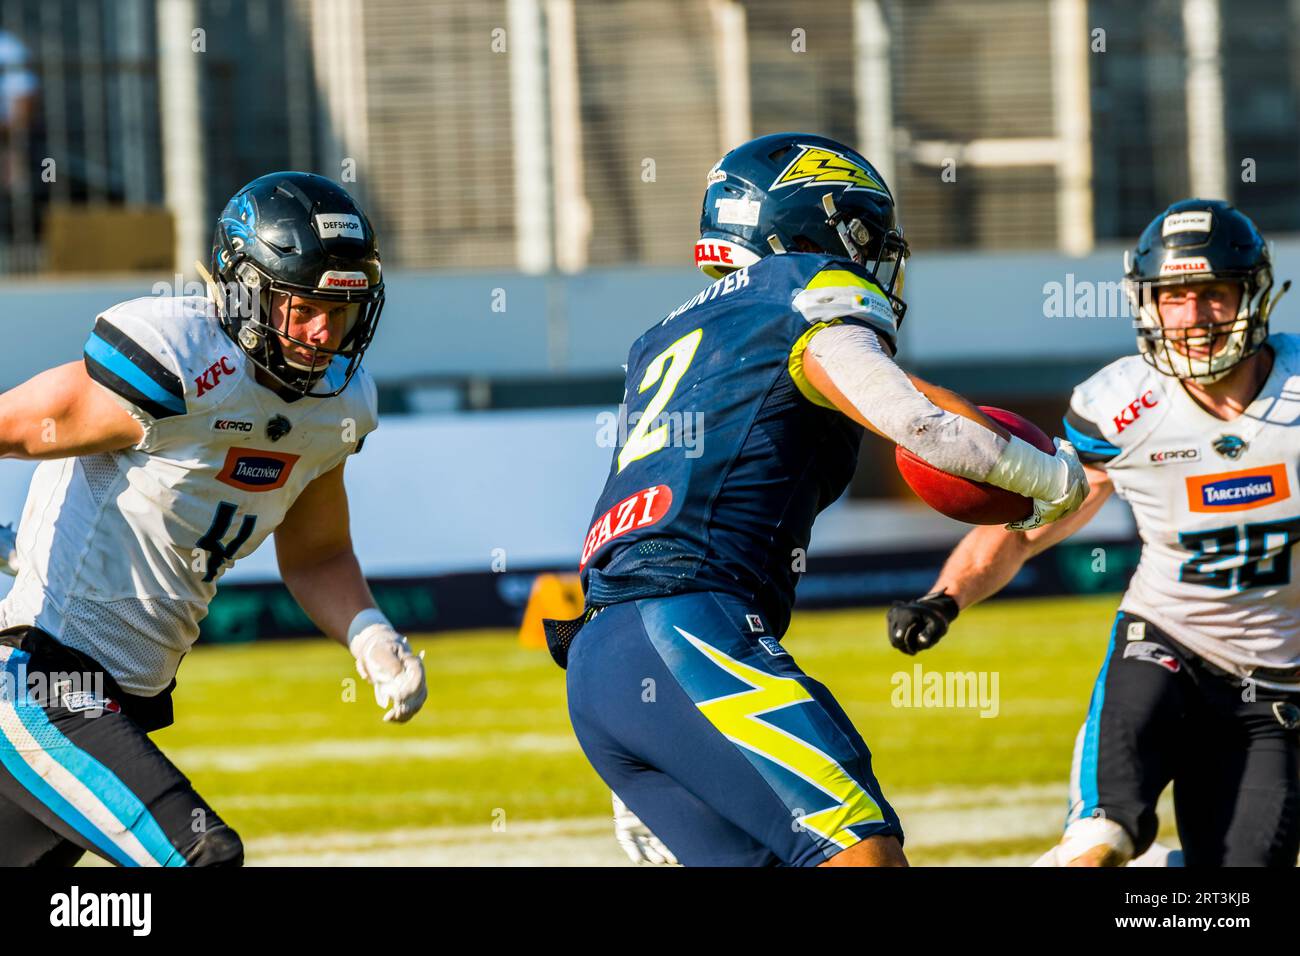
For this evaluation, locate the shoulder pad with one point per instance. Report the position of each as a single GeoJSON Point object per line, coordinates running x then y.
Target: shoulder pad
{"type": "Point", "coordinates": [1286, 351]}
{"type": "Point", "coordinates": [366, 401]}
{"type": "Point", "coordinates": [129, 352]}
{"type": "Point", "coordinates": [1115, 409]}
{"type": "Point", "coordinates": [843, 290]}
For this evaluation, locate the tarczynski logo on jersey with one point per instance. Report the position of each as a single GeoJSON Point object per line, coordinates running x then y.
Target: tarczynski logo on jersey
{"type": "Point", "coordinates": [1238, 490]}
{"type": "Point", "coordinates": [250, 469]}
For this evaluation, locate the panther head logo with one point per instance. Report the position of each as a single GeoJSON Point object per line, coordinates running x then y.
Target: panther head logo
{"type": "Point", "coordinates": [1230, 446]}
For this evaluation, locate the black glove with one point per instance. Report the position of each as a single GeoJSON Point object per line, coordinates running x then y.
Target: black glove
{"type": "Point", "coordinates": [918, 625]}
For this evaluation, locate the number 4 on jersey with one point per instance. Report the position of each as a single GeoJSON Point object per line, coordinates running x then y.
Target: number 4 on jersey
{"type": "Point", "coordinates": [217, 552]}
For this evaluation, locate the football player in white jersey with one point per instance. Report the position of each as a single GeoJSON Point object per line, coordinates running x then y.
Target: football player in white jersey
{"type": "Point", "coordinates": [192, 428]}
{"type": "Point", "coordinates": [1200, 434]}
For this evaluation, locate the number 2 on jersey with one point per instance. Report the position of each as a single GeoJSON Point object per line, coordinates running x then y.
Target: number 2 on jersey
{"type": "Point", "coordinates": [670, 365]}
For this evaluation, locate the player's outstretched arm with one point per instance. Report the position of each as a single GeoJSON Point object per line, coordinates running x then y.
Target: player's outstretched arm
{"type": "Point", "coordinates": [852, 370]}
{"type": "Point", "coordinates": [62, 413]}
{"type": "Point", "coordinates": [982, 564]}
{"type": "Point", "coordinates": [313, 546]}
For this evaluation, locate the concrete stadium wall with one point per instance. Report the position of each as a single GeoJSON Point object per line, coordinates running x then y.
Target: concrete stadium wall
{"type": "Point", "coordinates": [964, 307]}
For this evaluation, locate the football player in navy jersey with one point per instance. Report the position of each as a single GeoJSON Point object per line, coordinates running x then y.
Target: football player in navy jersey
{"type": "Point", "coordinates": [745, 408]}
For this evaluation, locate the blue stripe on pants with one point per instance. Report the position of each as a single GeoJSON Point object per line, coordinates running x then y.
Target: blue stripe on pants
{"type": "Point", "coordinates": [1092, 734]}
{"type": "Point", "coordinates": [116, 796]}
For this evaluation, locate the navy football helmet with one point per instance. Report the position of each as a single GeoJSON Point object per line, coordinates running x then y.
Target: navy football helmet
{"type": "Point", "coordinates": [797, 192]}
{"type": "Point", "coordinates": [1196, 241]}
{"type": "Point", "coordinates": [296, 235]}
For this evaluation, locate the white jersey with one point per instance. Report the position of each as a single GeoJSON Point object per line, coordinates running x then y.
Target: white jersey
{"type": "Point", "coordinates": [1217, 505]}
{"type": "Point", "coordinates": [119, 553]}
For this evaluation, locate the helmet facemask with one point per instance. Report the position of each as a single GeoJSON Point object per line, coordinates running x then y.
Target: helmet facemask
{"type": "Point", "coordinates": [247, 308]}
{"type": "Point", "coordinates": [884, 256]}
{"type": "Point", "coordinates": [1227, 343]}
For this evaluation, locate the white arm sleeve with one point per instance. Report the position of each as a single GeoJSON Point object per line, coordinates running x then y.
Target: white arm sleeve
{"type": "Point", "coordinates": [855, 360]}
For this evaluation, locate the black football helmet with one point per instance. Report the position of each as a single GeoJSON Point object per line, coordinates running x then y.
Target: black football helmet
{"type": "Point", "coordinates": [302, 236]}
{"type": "Point", "coordinates": [1200, 240]}
{"type": "Point", "coordinates": [797, 192]}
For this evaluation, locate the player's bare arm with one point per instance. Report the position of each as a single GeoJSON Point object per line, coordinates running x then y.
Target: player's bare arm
{"type": "Point", "coordinates": [985, 561]}
{"type": "Point", "coordinates": [62, 413]}
{"type": "Point", "coordinates": [982, 564]}
{"type": "Point", "coordinates": [313, 546]}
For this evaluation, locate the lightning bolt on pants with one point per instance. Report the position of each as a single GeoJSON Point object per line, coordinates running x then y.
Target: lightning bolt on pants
{"type": "Point", "coordinates": [710, 732]}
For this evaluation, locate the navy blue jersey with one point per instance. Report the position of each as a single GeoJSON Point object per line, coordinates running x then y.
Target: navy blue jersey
{"type": "Point", "coordinates": [726, 454]}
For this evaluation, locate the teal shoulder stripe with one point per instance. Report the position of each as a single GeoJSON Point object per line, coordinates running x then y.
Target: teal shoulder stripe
{"type": "Point", "coordinates": [123, 369]}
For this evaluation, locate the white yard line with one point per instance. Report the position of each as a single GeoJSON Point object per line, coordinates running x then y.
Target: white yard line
{"type": "Point", "coordinates": [955, 819]}
{"type": "Point", "coordinates": [934, 819]}
{"type": "Point", "coordinates": [246, 758]}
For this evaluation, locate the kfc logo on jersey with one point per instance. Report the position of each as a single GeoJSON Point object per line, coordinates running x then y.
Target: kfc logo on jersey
{"type": "Point", "coordinates": [250, 470]}
{"type": "Point", "coordinates": [1238, 490]}
{"type": "Point", "coordinates": [1134, 410]}
{"type": "Point", "coordinates": [209, 379]}
{"type": "Point", "coordinates": [636, 511]}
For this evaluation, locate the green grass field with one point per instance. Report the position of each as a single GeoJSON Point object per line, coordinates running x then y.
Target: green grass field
{"type": "Point", "coordinates": [489, 772]}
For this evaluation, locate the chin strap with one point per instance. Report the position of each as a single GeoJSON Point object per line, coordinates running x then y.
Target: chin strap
{"type": "Point", "coordinates": [1268, 307]}
{"type": "Point", "coordinates": [853, 235]}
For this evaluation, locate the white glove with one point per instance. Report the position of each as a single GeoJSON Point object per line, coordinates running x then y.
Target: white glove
{"type": "Point", "coordinates": [8, 550]}
{"type": "Point", "coordinates": [1076, 489]}
{"type": "Point", "coordinates": [385, 659]}
{"type": "Point", "coordinates": [640, 845]}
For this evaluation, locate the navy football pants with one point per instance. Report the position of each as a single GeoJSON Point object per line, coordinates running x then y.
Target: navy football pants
{"type": "Point", "coordinates": [709, 731]}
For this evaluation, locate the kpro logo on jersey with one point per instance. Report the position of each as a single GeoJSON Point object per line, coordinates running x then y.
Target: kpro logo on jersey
{"type": "Point", "coordinates": [251, 470]}
{"type": "Point", "coordinates": [1238, 490]}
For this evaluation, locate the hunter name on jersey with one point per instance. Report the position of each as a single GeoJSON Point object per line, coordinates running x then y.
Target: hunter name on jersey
{"type": "Point", "coordinates": [1216, 505]}
{"type": "Point", "coordinates": [731, 510]}
{"type": "Point", "coordinates": [120, 552]}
